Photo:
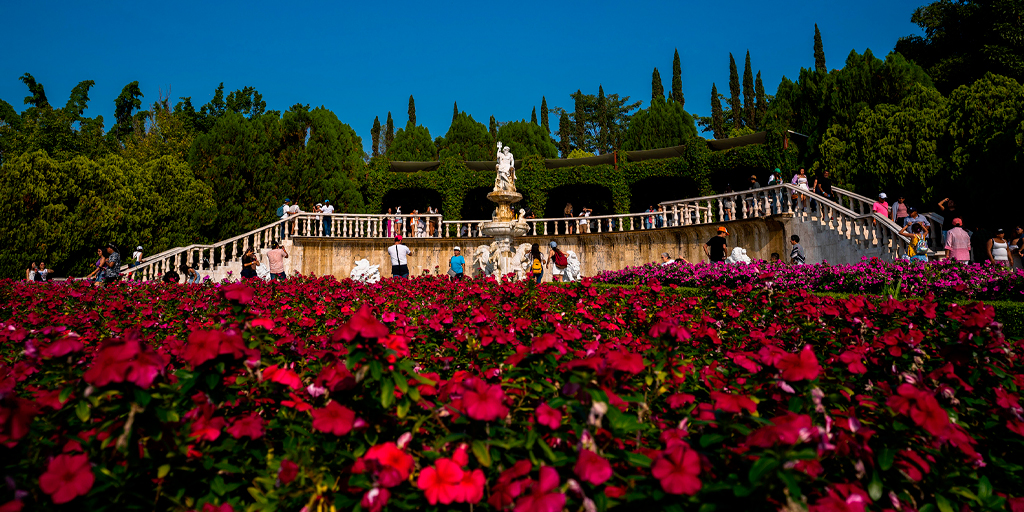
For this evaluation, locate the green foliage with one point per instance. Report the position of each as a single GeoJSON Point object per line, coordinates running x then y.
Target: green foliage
{"type": "Point", "coordinates": [544, 115]}
{"type": "Point", "coordinates": [663, 124]}
{"type": "Point", "coordinates": [966, 39]}
{"type": "Point", "coordinates": [37, 95]}
{"type": "Point", "coordinates": [717, 118]}
{"type": "Point", "coordinates": [748, 95]}
{"type": "Point", "coordinates": [413, 144]}
{"type": "Point", "coordinates": [579, 153]}
{"type": "Point", "coordinates": [527, 139]}
{"type": "Point", "coordinates": [375, 134]}
{"type": "Point", "coordinates": [677, 80]}
{"type": "Point", "coordinates": [246, 101]}
{"type": "Point", "coordinates": [389, 134]}
{"type": "Point", "coordinates": [468, 139]}
{"type": "Point", "coordinates": [599, 120]}
{"type": "Point", "coordinates": [761, 107]}
{"type": "Point", "coordinates": [657, 88]}
{"type": "Point", "coordinates": [126, 103]}
{"type": "Point", "coordinates": [819, 52]}
{"type": "Point", "coordinates": [734, 94]}
{"type": "Point", "coordinates": [565, 133]}
{"type": "Point", "coordinates": [412, 111]}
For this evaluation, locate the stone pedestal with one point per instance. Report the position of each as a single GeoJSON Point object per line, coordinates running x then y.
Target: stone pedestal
{"type": "Point", "coordinates": [504, 228]}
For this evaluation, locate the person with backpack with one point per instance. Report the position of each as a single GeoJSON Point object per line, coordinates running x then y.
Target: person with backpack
{"type": "Point", "coordinates": [457, 265]}
{"type": "Point", "coordinates": [918, 248]}
{"type": "Point", "coordinates": [536, 263]}
{"type": "Point", "coordinates": [560, 261]}
{"type": "Point", "coordinates": [282, 213]}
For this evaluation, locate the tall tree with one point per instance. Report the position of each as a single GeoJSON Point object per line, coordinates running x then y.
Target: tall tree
{"type": "Point", "coordinates": [580, 115]}
{"type": "Point", "coordinates": [412, 111]}
{"type": "Point", "coordinates": [467, 139]}
{"type": "Point", "coordinates": [375, 135]}
{"type": "Point", "coordinates": [389, 134]}
{"type": "Point", "coordinates": [664, 124]}
{"type": "Point", "coordinates": [533, 116]}
{"type": "Point", "coordinates": [527, 139]}
{"type": "Point", "coordinates": [246, 101]}
{"type": "Point", "coordinates": [37, 96]}
{"type": "Point", "coordinates": [124, 104]}
{"type": "Point", "coordinates": [734, 94]}
{"type": "Point", "coordinates": [588, 120]}
{"type": "Point", "coordinates": [603, 130]}
{"type": "Point", "coordinates": [493, 128]}
{"type": "Point", "coordinates": [717, 118]}
{"type": "Point", "coordinates": [657, 88]}
{"type": "Point", "coordinates": [544, 115]}
{"type": "Point", "coordinates": [677, 79]}
{"type": "Point", "coordinates": [819, 52]}
{"type": "Point", "coordinates": [748, 94]}
{"type": "Point", "coordinates": [565, 132]}
{"type": "Point", "coordinates": [413, 144]}
{"type": "Point", "coordinates": [761, 106]}
{"type": "Point", "coordinates": [455, 114]}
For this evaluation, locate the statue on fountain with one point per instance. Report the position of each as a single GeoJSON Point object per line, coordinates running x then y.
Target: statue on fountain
{"type": "Point", "coordinates": [506, 178]}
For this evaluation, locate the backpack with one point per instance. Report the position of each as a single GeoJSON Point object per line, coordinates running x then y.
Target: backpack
{"type": "Point", "coordinates": [560, 259]}
{"type": "Point", "coordinates": [280, 211]}
{"type": "Point", "coordinates": [538, 267]}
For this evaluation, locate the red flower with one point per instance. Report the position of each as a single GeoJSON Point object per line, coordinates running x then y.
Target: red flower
{"type": "Point", "coordinates": [625, 361]}
{"type": "Point", "coordinates": [207, 429]}
{"type": "Point", "coordinates": [483, 401]}
{"type": "Point", "coordinates": [854, 361]}
{"type": "Point", "coordinates": [67, 477]}
{"type": "Point", "coordinates": [62, 347]}
{"type": "Point", "coordinates": [201, 347]}
{"type": "Point", "coordinates": [375, 499]}
{"type": "Point", "coordinates": [288, 471]}
{"type": "Point", "coordinates": [802, 366]}
{"type": "Point", "coordinates": [787, 429]}
{"type": "Point", "coordinates": [922, 407]}
{"type": "Point", "coordinates": [548, 416]}
{"type": "Point", "coordinates": [592, 468]}
{"type": "Point", "coordinates": [363, 324]}
{"type": "Point", "coordinates": [729, 402]}
{"type": "Point", "coordinates": [508, 488]}
{"type": "Point", "coordinates": [210, 507]}
{"type": "Point", "coordinates": [472, 486]}
{"type": "Point", "coordinates": [251, 426]}
{"type": "Point", "coordinates": [240, 292]}
{"type": "Point", "coordinates": [614, 492]}
{"type": "Point", "coordinates": [677, 469]}
{"type": "Point", "coordinates": [12, 506]}
{"type": "Point", "coordinates": [541, 499]}
{"type": "Point", "coordinates": [334, 419]}
{"type": "Point", "coordinates": [15, 417]}
{"type": "Point", "coordinates": [442, 482]}
{"type": "Point", "coordinates": [390, 463]}
{"type": "Point", "coordinates": [282, 376]}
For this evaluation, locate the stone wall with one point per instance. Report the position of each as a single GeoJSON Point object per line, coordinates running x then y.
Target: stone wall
{"type": "Point", "coordinates": [597, 251]}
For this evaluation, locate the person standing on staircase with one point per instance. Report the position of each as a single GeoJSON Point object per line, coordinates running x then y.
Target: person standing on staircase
{"type": "Point", "coordinates": [276, 257]}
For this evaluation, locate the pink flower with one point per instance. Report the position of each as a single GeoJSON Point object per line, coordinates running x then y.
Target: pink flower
{"type": "Point", "coordinates": [207, 429]}
{"type": "Point", "coordinates": [625, 361]}
{"type": "Point", "coordinates": [483, 401]}
{"type": "Point", "coordinates": [375, 499]}
{"type": "Point", "coordinates": [677, 469]}
{"type": "Point", "coordinates": [67, 477]}
{"type": "Point", "coordinates": [472, 486]}
{"type": "Point", "coordinates": [802, 366]}
{"type": "Point", "coordinates": [282, 376]}
{"type": "Point", "coordinates": [240, 292]}
{"type": "Point", "coordinates": [334, 419]}
{"type": "Point", "coordinates": [288, 471]}
{"type": "Point", "coordinates": [729, 402]}
{"type": "Point", "coordinates": [548, 416]}
{"type": "Point", "coordinates": [390, 463]}
{"type": "Point", "coordinates": [15, 417]}
{"type": "Point", "coordinates": [442, 482]}
{"type": "Point", "coordinates": [593, 468]}
{"type": "Point", "coordinates": [251, 426]}
{"type": "Point", "coordinates": [224, 507]}
{"type": "Point", "coordinates": [63, 346]}
{"type": "Point", "coordinates": [541, 497]}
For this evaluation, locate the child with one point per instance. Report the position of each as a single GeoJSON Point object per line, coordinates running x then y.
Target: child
{"type": "Point", "coordinates": [796, 254]}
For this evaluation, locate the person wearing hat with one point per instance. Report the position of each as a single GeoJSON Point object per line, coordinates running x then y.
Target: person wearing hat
{"type": "Point", "coordinates": [328, 210]}
{"type": "Point", "coordinates": [958, 243]}
{"type": "Point", "coordinates": [881, 206]}
{"type": "Point", "coordinates": [752, 200]}
{"type": "Point", "coordinates": [557, 267]}
{"type": "Point", "coordinates": [456, 264]}
{"type": "Point", "coordinates": [716, 248]}
{"type": "Point", "coordinates": [915, 218]}
{"type": "Point", "coordinates": [399, 258]}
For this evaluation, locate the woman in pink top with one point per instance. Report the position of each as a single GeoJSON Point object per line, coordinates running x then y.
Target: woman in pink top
{"type": "Point", "coordinates": [880, 207]}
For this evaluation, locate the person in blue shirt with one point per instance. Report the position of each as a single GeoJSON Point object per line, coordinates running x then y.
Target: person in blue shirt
{"type": "Point", "coordinates": [458, 264]}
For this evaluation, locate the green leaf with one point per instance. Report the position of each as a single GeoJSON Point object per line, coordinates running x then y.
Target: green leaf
{"type": "Point", "coordinates": [761, 467]}
{"type": "Point", "coordinates": [875, 486]}
{"type": "Point", "coordinates": [142, 397]}
{"type": "Point", "coordinates": [82, 410]}
{"type": "Point", "coordinates": [710, 439]}
{"type": "Point", "coordinates": [984, 488]}
{"type": "Point", "coordinates": [638, 459]}
{"type": "Point", "coordinates": [387, 393]}
{"type": "Point", "coordinates": [163, 470]}
{"type": "Point", "coordinates": [482, 455]}
{"type": "Point", "coordinates": [885, 458]}
{"type": "Point", "coordinates": [943, 503]}
{"type": "Point", "coordinates": [791, 483]}
{"type": "Point", "coordinates": [403, 407]}
{"type": "Point", "coordinates": [257, 495]}
{"type": "Point", "coordinates": [401, 383]}
{"type": "Point", "coordinates": [65, 394]}
{"type": "Point", "coordinates": [622, 421]}
{"type": "Point", "coordinates": [966, 493]}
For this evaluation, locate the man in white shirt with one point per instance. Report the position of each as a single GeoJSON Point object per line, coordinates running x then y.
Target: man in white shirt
{"type": "Point", "coordinates": [399, 258]}
{"type": "Point", "coordinates": [137, 255]}
{"type": "Point", "coordinates": [327, 209]}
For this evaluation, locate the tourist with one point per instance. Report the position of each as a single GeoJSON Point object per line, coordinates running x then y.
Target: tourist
{"type": "Point", "coordinates": [559, 260]}
{"type": "Point", "coordinates": [584, 219]}
{"type": "Point", "coordinates": [431, 221]}
{"type": "Point", "coordinates": [97, 271]}
{"type": "Point", "coordinates": [457, 264]}
{"type": "Point", "coordinates": [249, 263]}
{"type": "Point", "coordinates": [774, 258]}
{"type": "Point", "coordinates": [191, 276]}
{"type": "Point", "coordinates": [752, 200]}
{"type": "Point", "coordinates": [276, 256]}
{"type": "Point", "coordinates": [823, 186]}
{"type": "Point", "coordinates": [30, 272]}
{"type": "Point", "coordinates": [112, 272]}
{"type": "Point", "coordinates": [570, 228]}
{"type": "Point", "coordinates": [716, 248]}
{"type": "Point", "coordinates": [43, 274]}
{"type": "Point", "coordinates": [898, 212]}
{"type": "Point", "coordinates": [137, 256]}
{"type": "Point", "coordinates": [958, 243]}
{"type": "Point", "coordinates": [171, 277]}
{"type": "Point", "coordinates": [796, 252]}
{"type": "Point", "coordinates": [293, 211]}
{"type": "Point", "coordinates": [881, 206]}
{"type": "Point", "coordinates": [282, 213]}
{"type": "Point", "coordinates": [666, 259]}
{"type": "Point", "coordinates": [998, 249]}
{"type": "Point", "coordinates": [387, 224]}
{"type": "Point", "coordinates": [774, 179]}
{"type": "Point", "coordinates": [328, 211]}
{"type": "Point", "coordinates": [800, 180]}
{"type": "Point", "coordinates": [399, 258]}
{"type": "Point", "coordinates": [949, 211]}
{"type": "Point", "coordinates": [918, 247]}
{"type": "Point", "coordinates": [914, 218]}
{"type": "Point", "coordinates": [729, 203]}
{"type": "Point", "coordinates": [1017, 247]}
{"type": "Point", "coordinates": [536, 263]}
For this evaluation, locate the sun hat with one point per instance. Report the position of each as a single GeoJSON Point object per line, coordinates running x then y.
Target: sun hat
{"type": "Point", "coordinates": [721, 229]}
{"type": "Point", "coordinates": [553, 244]}
{"type": "Point", "coordinates": [457, 249]}
{"type": "Point", "coordinates": [139, 248]}
{"type": "Point", "coordinates": [881, 195]}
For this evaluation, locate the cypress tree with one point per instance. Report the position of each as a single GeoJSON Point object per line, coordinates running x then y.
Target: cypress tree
{"type": "Point", "coordinates": [734, 94]}
{"type": "Point", "coordinates": [717, 118]}
{"type": "Point", "coordinates": [564, 134]}
{"type": "Point", "coordinates": [748, 93]}
{"type": "Point", "coordinates": [544, 114]}
{"type": "Point", "coordinates": [493, 129]}
{"type": "Point", "coordinates": [533, 116]}
{"type": "Point", "coordinates": [456, 113]}
{"type": "Point", "coordinates": [762, 103]}
{"type": "Point", "coordinates": [375, 134]}
{"type": "Point", "coordinates": [581, 120]}
{"type": "Point", "coordinates": [657, 88]}
{"type": "Point", "coordinates": [819, 51]}
{"type": "Point", "coordinates": [412, 111]}
{"type": "Point", "coordinates": [389, 134]}
{"type": "Point", "coordinates": [677, 79]}
{"type": "Point", "coordinates": [603, 130]}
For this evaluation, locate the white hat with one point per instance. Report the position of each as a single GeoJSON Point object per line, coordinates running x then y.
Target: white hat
{"type": "Point", "coordinates": [139, 248]}
{"type": "Point", "coordinates": [457, 249]}
{"type": "Point", "coordinates": [882, 195]}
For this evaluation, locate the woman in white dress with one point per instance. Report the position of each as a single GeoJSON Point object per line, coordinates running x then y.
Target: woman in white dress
{"type": "Point", "coordinates": [801, 183]}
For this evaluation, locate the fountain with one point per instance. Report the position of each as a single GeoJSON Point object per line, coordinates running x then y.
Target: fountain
{"type": "Point", "coordinates": [505, 224]}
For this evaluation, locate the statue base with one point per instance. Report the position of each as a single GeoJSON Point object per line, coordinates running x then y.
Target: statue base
{"type": "Point", "coordinates": [505, 199]}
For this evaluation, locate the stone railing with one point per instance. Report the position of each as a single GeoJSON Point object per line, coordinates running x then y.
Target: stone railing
{"type": "Point", "coordinates": [594, 223]}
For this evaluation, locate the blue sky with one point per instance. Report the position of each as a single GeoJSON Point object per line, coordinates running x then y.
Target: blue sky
{"type": "Point", "coordinates": [362, 59]}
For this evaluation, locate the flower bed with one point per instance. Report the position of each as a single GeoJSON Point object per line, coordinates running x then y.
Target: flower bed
{"type": "Point", "coordinates": [428, 395]}
{"type": "Point", "coordinates": [946, 280]}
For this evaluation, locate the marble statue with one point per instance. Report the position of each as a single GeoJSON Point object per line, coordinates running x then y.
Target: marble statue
{"type": "Point", "coordinates": [520, 262]}
{"type": "Point", "coordinates": [482, 260]}
{"type": "Point", "coordinates": [573, 271]}
{"type": "Point", "coordinates": [365, 273]}
{"type": "Point", "coordinates": [505, 179]}
{"type": "Point", "coordinates": [739, 255]}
